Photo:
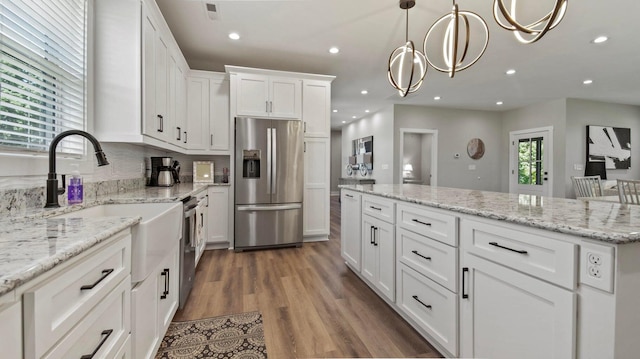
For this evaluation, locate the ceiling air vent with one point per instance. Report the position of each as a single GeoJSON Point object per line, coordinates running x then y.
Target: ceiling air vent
{"type": "Point", "coordinates": [212, 12]}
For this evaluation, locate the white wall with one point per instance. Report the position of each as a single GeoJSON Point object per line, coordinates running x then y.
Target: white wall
{"type": "Point", "coordinates": [552, 113]}
{"type": "Point", "coordinates": [581, 113]}
{"type": "Point", "coordinates": [336, 160]}
{"type": "Point", "coordinates": [455, 129]}
{"type": "Point", "coordinates": [380, 126]}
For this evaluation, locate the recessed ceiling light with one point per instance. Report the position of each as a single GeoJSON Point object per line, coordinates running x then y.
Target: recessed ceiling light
{"type": "Point", "coordinates": [367, 111]}
{"type": "Point", "coordinates": [334, 50]}
{"type": "Point", "coordinates": [587, 82]}
{"type": "Point", "coordinates": [511, 72]}
{"type": "Point", "coordinates": [499, 103]}
{"type": "Point", "coordinates": [354, 117]}
{"type": "Point", "coordinates": [334, 111]}
{"type": "Point", "coordinates": [437, 98]}
{"type": "Point", "coordinates": [600, 39]}
{"type": "Point", "coordinates": [364, 92]}
{"type": "Point", "coordinates": [344, 121]}
{"type": "Point", "coordinates": [234, 36]}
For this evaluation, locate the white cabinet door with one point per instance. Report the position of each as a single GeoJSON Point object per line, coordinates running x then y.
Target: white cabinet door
{"type": "Point", "coordinates": [198, 107]}
{"type": "Point", "coordinates": [11, 330]}
{"type": "Point", "coordinates": [172, 135]}
{"type": "Point", "coordinates": [285, 97]}
{"type": "Point", "coordinates": [265, 96]}
{"type": "Point", "coordinates": [316, 187]}
{"type": "Point", "coordinates": [350, 228]}
{"type": "Point", "coordinates": [145, 324]}
{"type": "Point", "coordinates": [507, 314]}
{"type": "Point", "coordinates": [252, 95]}
{"type": "Point", "coordinates": [218, 226]}
{"type": "Point", "coordinates": [167, 290]}
{"type": "Point", "coordinates": [152, 120]}
{"type": "Point", "coordinates": [219, 134]}
{"type": "Point", "coordinates": [316, 108]}
{"type": "Point", "coordinates": [180, 123]}
{"type": "Point", "coordinates": [378, 255]}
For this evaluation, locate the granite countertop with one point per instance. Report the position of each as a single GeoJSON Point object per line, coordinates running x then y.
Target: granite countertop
{"type": "Point", "coordinates": [33, 242]}
{"type": "Point", "coordinates": [604, 221]}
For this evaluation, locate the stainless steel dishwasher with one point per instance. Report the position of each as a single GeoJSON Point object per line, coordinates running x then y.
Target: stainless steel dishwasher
{"type": "Point", "coordinates": [188, 248]}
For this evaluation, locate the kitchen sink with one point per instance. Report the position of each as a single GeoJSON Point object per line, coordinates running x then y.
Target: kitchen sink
{"type": "Point", "coordinates": [153, 238]}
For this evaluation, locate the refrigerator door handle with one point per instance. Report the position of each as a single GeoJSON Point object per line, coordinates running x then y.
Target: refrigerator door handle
{"type": "Point", "coordinates": [269, 208]}
{"type": "Point", "coordinates": [269, 160]}
{"type": "Point", "coordinates": [274, 162]}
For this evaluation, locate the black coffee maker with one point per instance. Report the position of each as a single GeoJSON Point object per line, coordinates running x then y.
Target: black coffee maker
{"type": "Point", "coordinates": [164, 172]}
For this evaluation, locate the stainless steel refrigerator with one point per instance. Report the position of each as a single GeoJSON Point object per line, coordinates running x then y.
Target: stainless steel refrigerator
{"type": "Point", "coordinates": [268, 183]}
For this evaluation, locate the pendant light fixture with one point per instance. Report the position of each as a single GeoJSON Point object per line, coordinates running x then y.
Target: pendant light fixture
{"type": "Point", "coordinates": [407, 66]}
{"type": "Point", "coordinates": [455, 41]}
{"type": "Point", "coordinates": [534, 31]}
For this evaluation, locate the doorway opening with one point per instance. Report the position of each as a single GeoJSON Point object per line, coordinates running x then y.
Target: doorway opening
{"type": "Point", "coordinates": [530, 161]}
{"type": "Point", "coordinates": [418, 161]}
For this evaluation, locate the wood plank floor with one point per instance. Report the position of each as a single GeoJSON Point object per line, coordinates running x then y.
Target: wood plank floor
{"type": "Point", "coordinates": [312, 305]}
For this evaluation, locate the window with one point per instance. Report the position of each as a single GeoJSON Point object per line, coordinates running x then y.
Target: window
{"type": "Point", "coordinates": [530, 157]}
{"type": "Point", "coordinates": [42, 73]}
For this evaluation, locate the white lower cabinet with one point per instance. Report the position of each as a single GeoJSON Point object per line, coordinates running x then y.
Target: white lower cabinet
{"type": "Point", "coordinates": [155, 301]}
{"type": "Point", "coordinates": [11, 328]}
{"type": "Point", "coordinates": [507, 314]}
{"type": "Point", "coordinates": [218, 226]}
{"type": "Point", "coordinates": [378, 255]}
{"type": "Point", "coordinates": [350, 228]}
{"type": "Point", "coordinates": [316, 188]}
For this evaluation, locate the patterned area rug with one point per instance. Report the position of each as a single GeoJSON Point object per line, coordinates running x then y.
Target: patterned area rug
{"type": "Point", "coordinates": [237, 336]}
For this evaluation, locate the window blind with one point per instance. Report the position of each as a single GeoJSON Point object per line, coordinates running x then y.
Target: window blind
{"type": "Point", "coordinates": [42, 73]}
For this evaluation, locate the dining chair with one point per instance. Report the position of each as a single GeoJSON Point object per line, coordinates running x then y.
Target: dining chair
{"type": "Point", "coordinates": [587, 186]}
{"type": "Point", "coordinates": [628, 191]}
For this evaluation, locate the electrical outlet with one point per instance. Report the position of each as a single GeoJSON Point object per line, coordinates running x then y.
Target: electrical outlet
{"type": "Point", "coordinates": [597, 263]}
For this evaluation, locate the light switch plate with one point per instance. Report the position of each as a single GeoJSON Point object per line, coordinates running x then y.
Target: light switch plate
{"type": "Point", "coordinates": [596, 266]}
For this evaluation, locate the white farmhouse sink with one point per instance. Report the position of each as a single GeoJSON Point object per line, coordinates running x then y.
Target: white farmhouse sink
{"type": "Point", "coordinates": [153, 238]}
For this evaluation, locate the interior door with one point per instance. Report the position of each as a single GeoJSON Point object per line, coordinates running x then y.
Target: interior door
{"type": "Point", "coordinates": [530, 162]}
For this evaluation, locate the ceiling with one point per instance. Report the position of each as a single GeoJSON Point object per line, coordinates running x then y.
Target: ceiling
{"type": "Point", "coordinates": [295, 35]}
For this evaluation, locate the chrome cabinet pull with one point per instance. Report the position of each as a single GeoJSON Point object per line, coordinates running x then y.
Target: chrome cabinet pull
{"type": "Point", "coordinates": [423, 223]}
{"type": "Point", "coordinates": [211, 141]}
{"type": "Point", "coordinates": [521, 251]}
{"type": "Point", "coordinates": [421, 302]}
{"type": "Point", "coordinates": [185, 136]}
{"type": "Point", "coordinates": [105, 274]}
{"type": "Point", "coordinates": [420, 255]}
{"type": "Point", "coordinates": [105, 335]}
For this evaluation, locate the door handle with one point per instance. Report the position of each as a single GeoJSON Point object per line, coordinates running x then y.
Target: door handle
{"type": "Point", "coordinates": [420, 255]}
{"type": "Point", "coordinates": [160, 123]}
{"type": "Point", "coordinates": [268, 208]}
{"type": "Point", "coordinates": [423, 223]}
{"type": "Point", "coordinates": [465, 271]}
{"type": "Point", "coordinates": [274, 162]}
{"type": "Point", "coordinates": [105, 335]}
{"type": "Point", "coordinates": [375, 235]}
{"type": "Point", "coordinates": [179, 133]}
{"type": "Point", "coordinates": [421, 302]}
{"type": "Point", "coordinates": [269, 156]}
{"type": "Point", "coordinates": [519, 251]}
{"type": "Point", "coordinates": [105, 274]}
{"type": "Point", "coordinates": [165, 274]}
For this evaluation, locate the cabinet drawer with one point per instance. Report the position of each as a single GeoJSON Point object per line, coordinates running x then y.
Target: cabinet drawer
{"type": "Point", "coordinates": [52, 309]}
{"type": "Point", "coordinates": [523, 249]}
{"type": "Point", "coordinates": [103, 331]}
{"type": "Point", "coordinates": [431, 258]}
{"type": "Point", "coordinates": [378, 207]}
{"type": "Point", "coordinates": [439, 226]}
{"type": "Point", "coordinates": [432, 307]}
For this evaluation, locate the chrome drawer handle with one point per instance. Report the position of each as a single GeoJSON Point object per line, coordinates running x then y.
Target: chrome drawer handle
{"type": "Point", "coordinates": [424, 223]}
{"type": "Point", "coordinates": [421, 302]}
{"type": "Point", "coordinates": [376, 208]}
{"type": "Point", "coordinates": [495, 244]}
{"type": "Point", "coordinates": [105, 334]}
{"type": "Point", "coordinates": [420, 255]}
{"type": "Point", "coordinates": [105, 274]}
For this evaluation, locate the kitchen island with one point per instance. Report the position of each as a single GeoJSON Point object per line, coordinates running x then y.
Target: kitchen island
{"type": "Point", "coordinates": [486, 274]}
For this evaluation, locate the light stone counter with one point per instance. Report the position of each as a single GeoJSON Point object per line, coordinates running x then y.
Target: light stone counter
{"type": "Point", "coordinates": [32, 243]}
{"type": "Point", "coordinates": [604, 221]}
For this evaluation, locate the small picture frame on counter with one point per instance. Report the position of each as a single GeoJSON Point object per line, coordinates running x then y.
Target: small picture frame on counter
{"type": "Point", "coordinates": [202, 172]}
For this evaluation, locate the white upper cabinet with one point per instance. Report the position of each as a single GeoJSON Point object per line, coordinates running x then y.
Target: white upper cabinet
{"type": "Point", "coordinates": [268, 96]}
{"type": "Point", "coordinates": [208, 113]}
{"type": "Point", "coordinates": [316, 108]}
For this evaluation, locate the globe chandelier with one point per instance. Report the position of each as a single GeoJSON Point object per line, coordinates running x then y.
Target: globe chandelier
{"type": "Point", "coordinates": [454, 51]}
{"type": "Point", "coordinates": [507, 19]}
{"type": "Point", "coordinates": [407, 66]}
{"type": "Point", "coordinates": [452, 34]}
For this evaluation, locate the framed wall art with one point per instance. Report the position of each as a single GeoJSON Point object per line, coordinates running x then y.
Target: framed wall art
{"type": "Point", "coordinates": [611, 145]}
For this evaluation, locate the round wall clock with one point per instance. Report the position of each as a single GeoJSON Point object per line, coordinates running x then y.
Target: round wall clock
{"type": "Point", "coordinates": [475, 148]}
